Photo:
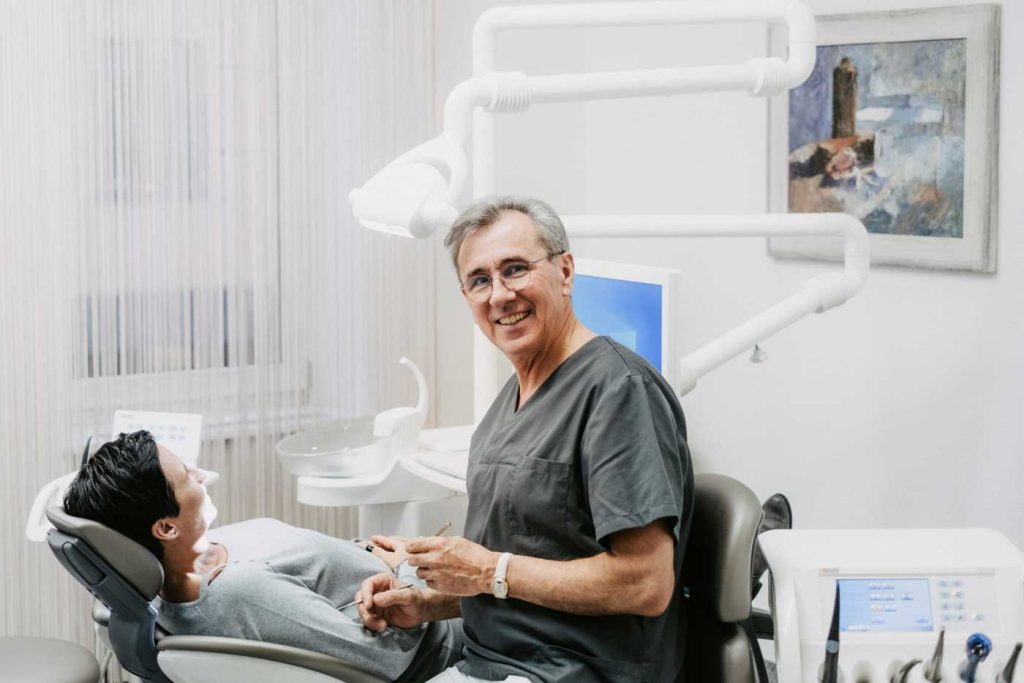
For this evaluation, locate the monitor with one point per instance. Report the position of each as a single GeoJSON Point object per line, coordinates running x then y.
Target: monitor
{"type": "Point", "coordinates": [632, 304]}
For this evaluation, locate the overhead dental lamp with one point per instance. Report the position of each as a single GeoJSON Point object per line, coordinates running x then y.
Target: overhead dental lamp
{"type": "Point", "coordinates": [413, 196]}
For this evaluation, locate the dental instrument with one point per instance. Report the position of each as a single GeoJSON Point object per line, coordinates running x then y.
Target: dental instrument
{"type": "Point", "coordinates": [903, 671]}
{"type": "Point", "coordinates": [933, 669]}
{"type": "Point", "coordinates": [359, 601]}
{"type": "Point", "coordinates": [979, 646]}
{"type": "Point", "coordinates": [1006, 675]}
{"type": "Point", "coordinates": [830, 667]}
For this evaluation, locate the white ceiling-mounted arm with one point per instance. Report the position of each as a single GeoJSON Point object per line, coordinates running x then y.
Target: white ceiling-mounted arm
{"type": "Point", "coordinates": [770, 78]}
{"type": "Point", "coordinates": [762, 76]}
{"type": "Point", "coordinates": [817, 295]}
{"type": "Point", "coordinates": [420, 192]}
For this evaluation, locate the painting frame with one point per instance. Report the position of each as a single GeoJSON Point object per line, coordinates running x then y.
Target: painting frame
{"type": "Point", "coordinates": [980, 28]}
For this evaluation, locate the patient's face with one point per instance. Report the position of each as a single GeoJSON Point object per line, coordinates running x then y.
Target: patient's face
{"type": "Point", "coordinates": [197, 512]}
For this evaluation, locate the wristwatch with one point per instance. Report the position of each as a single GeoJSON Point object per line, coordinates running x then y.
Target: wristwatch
{"type": "Point", "coordinates": [499, 586]}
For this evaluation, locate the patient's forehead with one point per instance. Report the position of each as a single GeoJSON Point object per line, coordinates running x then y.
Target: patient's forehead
{"type": "Point", "coordinates": [171, 465]}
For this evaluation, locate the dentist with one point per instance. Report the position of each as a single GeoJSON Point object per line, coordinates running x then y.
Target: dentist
{"type": "Point", "coordinates": [580, 483]}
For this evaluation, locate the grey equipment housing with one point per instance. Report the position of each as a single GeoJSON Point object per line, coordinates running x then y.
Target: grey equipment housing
{"type": "Point", "coordinates": [132, 625]}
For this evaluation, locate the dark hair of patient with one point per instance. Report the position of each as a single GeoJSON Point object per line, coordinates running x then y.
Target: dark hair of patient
{"type": "Point", "coordinates": [122, 486]}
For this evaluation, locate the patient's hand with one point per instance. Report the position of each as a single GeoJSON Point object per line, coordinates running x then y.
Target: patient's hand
{"type": "Point", "coordinates": [383, 606]}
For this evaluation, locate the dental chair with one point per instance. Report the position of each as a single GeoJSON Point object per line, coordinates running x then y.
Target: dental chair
{"type": "Point", "coordinates": [723, 629]}
{"type": "Point", "coordinates": [124, 577]}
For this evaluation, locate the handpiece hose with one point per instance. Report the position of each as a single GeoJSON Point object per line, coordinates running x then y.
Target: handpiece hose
{"type": "Point", "coordinates": [830, 669]}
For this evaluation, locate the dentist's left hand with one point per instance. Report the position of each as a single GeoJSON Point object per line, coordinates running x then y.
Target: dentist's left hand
{"type": "Point", "coordinates": [383, 606]}
{"type": "Point", "coordinates": [454, 565]}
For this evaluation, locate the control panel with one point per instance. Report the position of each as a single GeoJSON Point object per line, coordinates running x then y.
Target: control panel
{"type": "Point", "coordinates": [887, 605]}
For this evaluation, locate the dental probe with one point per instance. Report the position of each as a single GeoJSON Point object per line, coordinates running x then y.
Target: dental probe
{"type": "Point", "coordinates": [978, 648]}
{"type": "Point", "coordinates": [933, 670]}
{"type": "Point", "coordinates": [1007, 674]}
{"type": "Point", "coordinates": [360, 600]}
{"type": "Point", "coordinates": [830, 669]}
{"type": "Point", "coordinates": [904, 671]}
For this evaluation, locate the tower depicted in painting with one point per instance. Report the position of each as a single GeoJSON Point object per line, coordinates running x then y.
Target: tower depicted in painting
{"type": "Point", "coordinates": [844, 99]}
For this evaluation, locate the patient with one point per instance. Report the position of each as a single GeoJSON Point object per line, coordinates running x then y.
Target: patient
{"type": "Point", "coordinates": [259, 579]}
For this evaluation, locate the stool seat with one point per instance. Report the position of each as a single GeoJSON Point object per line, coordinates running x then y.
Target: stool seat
{"type": "Point", "coordinates": [46, 660]}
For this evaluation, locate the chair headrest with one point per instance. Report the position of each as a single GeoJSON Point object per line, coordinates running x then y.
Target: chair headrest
{"type": "Point", "coordinates": [136, 564]}
{"type": "Point", "coordinates": [719, 552]}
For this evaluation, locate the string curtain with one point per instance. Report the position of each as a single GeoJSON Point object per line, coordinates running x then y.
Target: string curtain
{"type": "Point", "coordinates": [176, 236]}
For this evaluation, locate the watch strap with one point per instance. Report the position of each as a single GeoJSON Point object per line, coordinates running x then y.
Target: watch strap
{"type": "Point", "coordinates": [502, 567]}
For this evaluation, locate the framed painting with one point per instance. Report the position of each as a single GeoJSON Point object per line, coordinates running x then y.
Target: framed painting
{"type": "Point", "coordinates": [897, 126]}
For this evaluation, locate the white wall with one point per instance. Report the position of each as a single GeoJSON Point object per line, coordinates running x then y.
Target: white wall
{"type": "Point", "coordinates": [905, 407]}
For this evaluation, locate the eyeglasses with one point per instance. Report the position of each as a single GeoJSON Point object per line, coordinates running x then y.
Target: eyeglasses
{"type": "Point", "coordinates": [514, 276]}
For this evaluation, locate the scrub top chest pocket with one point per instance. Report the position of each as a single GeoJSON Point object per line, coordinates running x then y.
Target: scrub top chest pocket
{"type": "Point", "coordinates": [535, 503]}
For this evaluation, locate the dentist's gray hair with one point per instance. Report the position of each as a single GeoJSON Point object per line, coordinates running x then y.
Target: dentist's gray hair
{"type": "Point", "coordinates": [550, 231]}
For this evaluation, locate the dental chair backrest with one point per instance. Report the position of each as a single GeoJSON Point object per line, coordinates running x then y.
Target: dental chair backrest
{"type": "Point", "coordinates": [125, 577]}
{"type": "Point", "coordinates": [716, 572]}
{"type": "Point", "coordinates": [122, 575]}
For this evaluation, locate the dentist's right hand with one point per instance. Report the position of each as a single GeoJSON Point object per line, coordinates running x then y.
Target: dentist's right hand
{"type": "Point", "coordinates": [383, 606]}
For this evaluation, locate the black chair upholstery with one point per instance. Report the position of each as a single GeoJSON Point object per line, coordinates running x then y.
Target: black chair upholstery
{"type": "Point", "coordinates": [716, 574]}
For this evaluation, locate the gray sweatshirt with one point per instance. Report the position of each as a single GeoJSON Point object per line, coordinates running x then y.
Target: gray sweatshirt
{"type": "Point", "coordinates": [283, 584]}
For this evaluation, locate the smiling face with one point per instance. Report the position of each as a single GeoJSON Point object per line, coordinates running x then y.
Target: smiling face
{"type": "Point", "coordinates": [527, 323]}
{"type": "Point", "coordinates": [196, 512]}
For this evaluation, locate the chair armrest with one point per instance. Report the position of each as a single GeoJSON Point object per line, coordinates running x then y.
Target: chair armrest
{"type": "Point", "coordinates": [101, 617]}
{"type": "Point", "coordinates": [315, 661]}
{"type": "Point", "coordinates": [762, 622]}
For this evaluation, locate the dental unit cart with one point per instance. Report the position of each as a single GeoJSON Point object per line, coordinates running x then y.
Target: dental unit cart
{"type": "Point", "coordinates": [953, 599]}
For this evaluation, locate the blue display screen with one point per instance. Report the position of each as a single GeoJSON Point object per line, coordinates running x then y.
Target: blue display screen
{"type": "Point", "coordinates": [628, 312]}
{"type": "Point", "coordinates": [888, 605]}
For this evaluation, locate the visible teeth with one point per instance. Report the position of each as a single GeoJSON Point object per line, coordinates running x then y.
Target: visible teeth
{"type": "Point", "coordinates": [512, 319]}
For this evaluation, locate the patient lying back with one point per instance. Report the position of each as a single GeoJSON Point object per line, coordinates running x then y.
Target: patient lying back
{"type": "Point", "coordinates": [259, 579]}
{"type": "Point", "coordinates": [283, 584]}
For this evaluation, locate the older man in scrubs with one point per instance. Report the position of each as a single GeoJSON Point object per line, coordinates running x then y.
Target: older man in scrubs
{"type": "Point", "coordinates": [580, 483]}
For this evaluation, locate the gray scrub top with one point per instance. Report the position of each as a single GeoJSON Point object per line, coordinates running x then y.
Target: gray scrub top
{"type": "Point", "coordinates": [599, 448]}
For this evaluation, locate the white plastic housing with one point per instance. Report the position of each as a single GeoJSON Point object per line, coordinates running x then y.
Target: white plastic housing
{"type": "Point", "coordinates": [406, 421]}
{"type": "Point", "coordinates": [981, 565]}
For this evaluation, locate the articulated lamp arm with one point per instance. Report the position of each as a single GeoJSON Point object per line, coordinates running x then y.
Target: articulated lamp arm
{"type": "Point", "coordinates": [817, 295]}
{"type": "Point", "coordinates": [420, 192]}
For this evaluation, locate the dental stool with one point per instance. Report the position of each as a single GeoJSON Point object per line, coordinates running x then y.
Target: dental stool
{"type": "Point", "coordinates": [46, 660]}
{"type": "Point", "coordinates": [722, 632]}
{"type": "Point", "coordinates": [125, 577]}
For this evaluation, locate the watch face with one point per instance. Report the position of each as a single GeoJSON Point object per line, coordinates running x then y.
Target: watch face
{"type": "Point", "coordinates": [499, 587]}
